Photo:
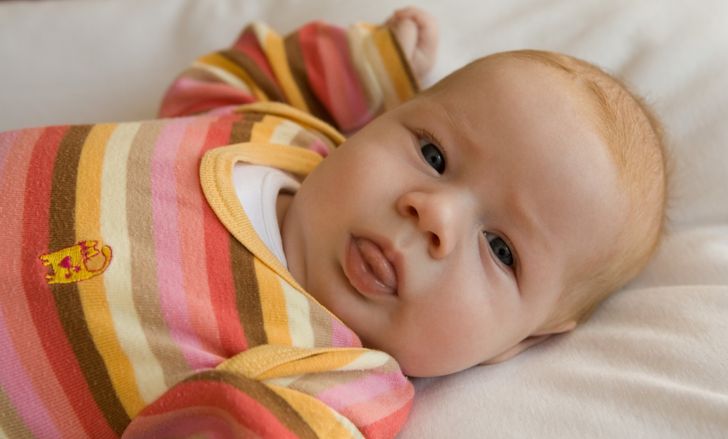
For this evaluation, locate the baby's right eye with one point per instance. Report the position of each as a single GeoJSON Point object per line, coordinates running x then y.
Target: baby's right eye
{"type": "Point", "coordinates": [432, 155]}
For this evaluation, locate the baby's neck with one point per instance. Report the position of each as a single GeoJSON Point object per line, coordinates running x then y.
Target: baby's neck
{"type": "Point", "coordinates": [282, 202]}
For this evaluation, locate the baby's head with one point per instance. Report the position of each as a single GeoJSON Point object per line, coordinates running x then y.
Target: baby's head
{"type": "Point", "coordinates": [495, 209]}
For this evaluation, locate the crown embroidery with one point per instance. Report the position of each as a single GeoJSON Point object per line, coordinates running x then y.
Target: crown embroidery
{"type": "Point", "coordinates": [76, 263]}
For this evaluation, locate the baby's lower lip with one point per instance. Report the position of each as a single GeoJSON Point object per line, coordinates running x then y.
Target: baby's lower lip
{"type": "Point", "coordinates": [368, 270]}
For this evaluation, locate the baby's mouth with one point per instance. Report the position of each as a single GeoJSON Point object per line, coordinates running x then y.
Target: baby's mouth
{"type": "Point", "coordinates": [368, 268]}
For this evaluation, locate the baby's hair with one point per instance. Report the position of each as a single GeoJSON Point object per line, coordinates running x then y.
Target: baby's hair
{"type": "Point", "coordinates": [635, 140]}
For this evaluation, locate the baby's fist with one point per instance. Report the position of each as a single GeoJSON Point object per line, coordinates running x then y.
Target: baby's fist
{"type": "Point", "coordinates": [416, 33]}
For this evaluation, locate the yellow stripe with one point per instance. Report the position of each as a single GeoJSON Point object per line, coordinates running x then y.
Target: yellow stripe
{"type": "Point", "coordinates": [217, 60]}
{"type": "Point", "coordinates": [331, 359]}
{"type": "Point", "coordinates": [93, 292]}
{"type": "Point", "coordinates": [262, 131]}
{"type": "Point", "coordinates": [322, 419]}
{"type": "Point", "coordinates": [275, 51]}
{"type": "Point", "coordinates": [273, 305]}
{"type": "Point", "coordinates": [393, 64]}
{"type": "Point", "coordinates": [145, 382]}
{"type": "Point", "coordinates": [270, 361]}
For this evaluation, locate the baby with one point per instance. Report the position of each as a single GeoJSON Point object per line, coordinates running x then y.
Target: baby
{"type": "Point", "coordinates": [290, 294]}
{"type": "Point", "coordinates": [489, 212]}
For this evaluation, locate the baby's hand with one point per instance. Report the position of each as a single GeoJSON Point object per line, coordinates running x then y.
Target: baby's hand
{"type": "Point", "coordinates": [416, 33]}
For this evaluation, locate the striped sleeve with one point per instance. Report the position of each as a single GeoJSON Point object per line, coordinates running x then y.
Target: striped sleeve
{"type": "Point", "coordinates": [343, 76]}
{"type": "Point", "coordinates": [275, 391]}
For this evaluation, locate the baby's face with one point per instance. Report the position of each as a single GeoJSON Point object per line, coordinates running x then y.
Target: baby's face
{"type": "Point", "coordinates": [444, 232]}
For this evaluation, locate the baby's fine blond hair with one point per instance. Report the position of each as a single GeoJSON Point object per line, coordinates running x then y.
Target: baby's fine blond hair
{"type": "Point", "coordinates": [635, 140]}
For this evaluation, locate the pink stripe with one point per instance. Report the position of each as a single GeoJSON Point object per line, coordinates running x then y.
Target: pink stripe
{"type": "Point", "coordinates": [348, 99]}
{"type": "Point", "coordinates": [385, 412]}
{"type": "Point", "coordinates": [6, 141]}
{"type": "Point", "coordinates": [192, 229]}
{"type": "Point", "coordinates": [342, 336]}
{"type": "Point", "coordinates": [362, 390]}
{"type": "Point", "coordinates": [167, 244]}
{"type": "Point", "coordinates": [212, 422]}
{"type": "Point", "coordinates": [190, 96]}
{"type": "Point", "coordinates": [20, 391]}
{"type": "Point", "coordinates": [12, 299]}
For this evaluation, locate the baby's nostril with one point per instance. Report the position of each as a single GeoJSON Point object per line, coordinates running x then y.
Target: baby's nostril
{"type": "Point", "coordinates": [413, 212]}
{"type": "Point", "coordinates": [435, 240]}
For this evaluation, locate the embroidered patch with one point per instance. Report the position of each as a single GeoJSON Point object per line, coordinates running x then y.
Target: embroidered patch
{"type": "Point", "coordinates": [76, 263]}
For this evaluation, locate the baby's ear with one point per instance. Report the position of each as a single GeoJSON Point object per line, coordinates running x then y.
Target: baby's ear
{"type": "Point", "coordinates": [532, 340]}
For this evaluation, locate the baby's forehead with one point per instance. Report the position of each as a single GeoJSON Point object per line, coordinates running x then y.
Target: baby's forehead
{"type": "Point", "coordinates": [524, 96]}
{"type": "Point", "coordinates": [504, 74]}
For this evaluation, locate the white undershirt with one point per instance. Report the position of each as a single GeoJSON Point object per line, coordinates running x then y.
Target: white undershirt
{"type": "Point", "coordinates": [257, 188]}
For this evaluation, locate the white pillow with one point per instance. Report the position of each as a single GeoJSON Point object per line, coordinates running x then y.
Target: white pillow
{"type": "Point", "coordinates": [653, 360]}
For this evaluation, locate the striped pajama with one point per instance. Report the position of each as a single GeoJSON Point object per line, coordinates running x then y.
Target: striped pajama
{"type": "Point", "coordinates": [135, 297]}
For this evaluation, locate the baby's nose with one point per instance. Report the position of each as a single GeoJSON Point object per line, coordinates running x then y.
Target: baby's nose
{"type": "Point", "coordinates": [437, 215]}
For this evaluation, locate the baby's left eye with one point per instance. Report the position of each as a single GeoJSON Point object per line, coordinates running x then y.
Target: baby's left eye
{"type": "Point", "coordinates": [433, 156]}
{"type": "Point", "coordinates": [500, 249]}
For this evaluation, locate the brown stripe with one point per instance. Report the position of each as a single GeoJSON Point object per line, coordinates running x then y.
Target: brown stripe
{"type": "Point", "coordinates": [260, 78]}
{"type": "Point", "coordinates": [62, 234]}
{"type": "Point", "coordinates": [321, 324]}
{"type": "Point", "coordinates": [145, 288]}
{"type": "Point", "coordinates": [10, 422]}
{"type": "Point", "coordinates": [263, 395]}
{"type": "Point", "coordinates": [244, 280]}
{"type": "Point", "coordinates": [241, 129]}
{"type": "Point", "coordinates": [298, 70]}
{"type": "Point", "coordinates": [247, 293]}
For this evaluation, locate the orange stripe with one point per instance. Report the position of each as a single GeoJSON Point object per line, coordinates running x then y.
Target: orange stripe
{"type": "Point", "coordinates": [393, 63]}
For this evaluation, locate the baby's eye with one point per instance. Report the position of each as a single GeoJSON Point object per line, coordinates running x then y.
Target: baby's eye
{"type": "Point", "coordinates": [500, 249]}
{"type": "Point", "coordinates": [432, 155]}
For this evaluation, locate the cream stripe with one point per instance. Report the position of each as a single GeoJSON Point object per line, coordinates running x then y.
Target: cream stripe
{"type": "Point", "coordinates": [283, 381]}
{"type": "Point", "coordinates": [119, 293]}
{"type": "Point", "coordinates": [285, 132]}
{"type": "Point", "coordinates": [299, 317]}
{"type": "Point", "coordinates": [223, 75]}
{"type": "Point", "coordinates": [92, 292]}
{"type": "Point", "coordinates": [371, 52]}
{"type": "Point", "coordinates": [369, 359]}
{"type": "Point", "coordinates": [217, 60]}
{"type": "Point", "coordinates": [357, 36]}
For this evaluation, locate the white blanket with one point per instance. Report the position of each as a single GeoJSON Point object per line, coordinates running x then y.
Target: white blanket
{"type": "Point", "coordinates": [653, 361]}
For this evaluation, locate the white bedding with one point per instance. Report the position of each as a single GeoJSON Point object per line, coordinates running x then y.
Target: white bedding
{"type": "Point", "coordinates": [653, 361]}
